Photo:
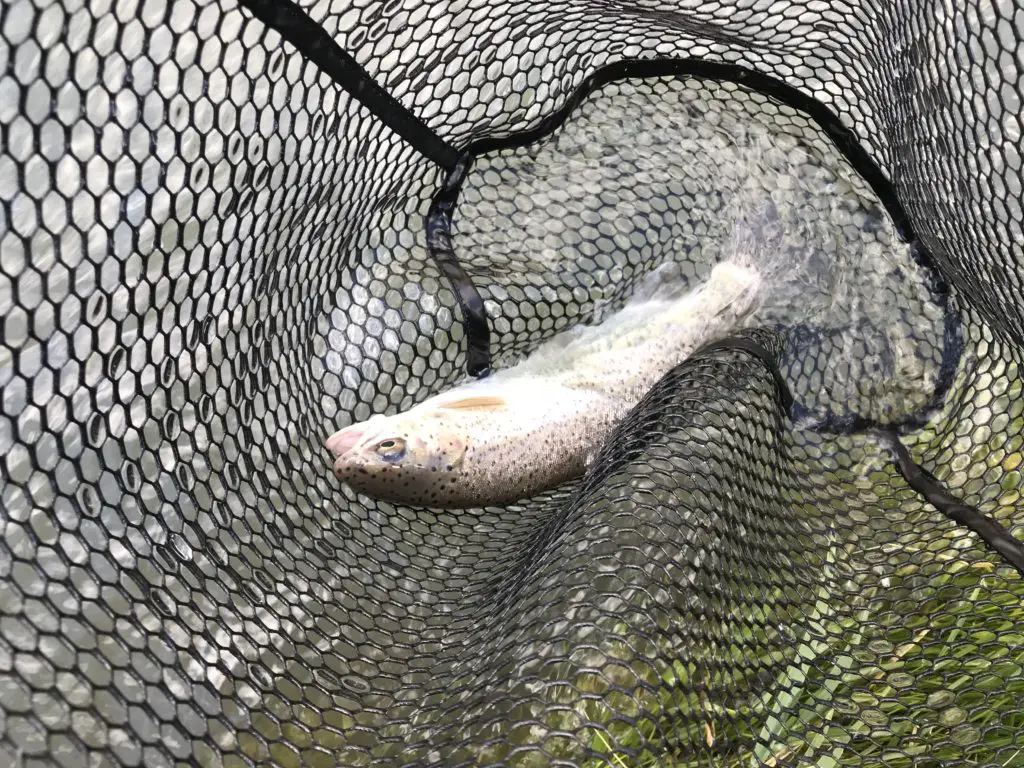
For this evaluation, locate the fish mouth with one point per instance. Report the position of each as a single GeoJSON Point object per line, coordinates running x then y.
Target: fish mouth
{"type": "Point", "coordinates": [343, 441]}
{"type": "Point", "coordinates": [348, 439]}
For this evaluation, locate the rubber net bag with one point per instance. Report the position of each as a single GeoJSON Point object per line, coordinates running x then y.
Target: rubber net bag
{"type": "Point", "coordinates": [229, 229]}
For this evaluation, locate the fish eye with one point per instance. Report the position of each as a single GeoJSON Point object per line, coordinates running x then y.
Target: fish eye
{"type": "Point", "coordinates": [392, 449]}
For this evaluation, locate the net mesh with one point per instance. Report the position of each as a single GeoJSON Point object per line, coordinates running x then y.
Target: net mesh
{"type": "Point", "coordinates": [214, 254]}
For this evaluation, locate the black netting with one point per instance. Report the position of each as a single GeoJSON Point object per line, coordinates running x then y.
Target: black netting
{"type": "Point", "coordinates": [227, 231]}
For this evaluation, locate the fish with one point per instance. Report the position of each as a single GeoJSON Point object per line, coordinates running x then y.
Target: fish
{"type": "Point", "coordinates": [538, 424]}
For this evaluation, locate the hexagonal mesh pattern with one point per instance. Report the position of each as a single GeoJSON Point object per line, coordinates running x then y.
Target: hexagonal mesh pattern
{"type": "Point", "coordinates": [213, 256]}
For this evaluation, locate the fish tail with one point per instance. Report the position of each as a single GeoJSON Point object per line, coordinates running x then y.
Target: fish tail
{"type": "Point", "coordinates": [757, 237]}
{"type": "Point", "coordinates": [665, 281]}
{"type": "Point", "coordinates": [750, 251]}
{"type": "Point", "coordinates": [730, 293]}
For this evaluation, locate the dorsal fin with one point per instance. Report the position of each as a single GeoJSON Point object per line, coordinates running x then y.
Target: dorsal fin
{"type": "Point", "coordinates": [475, 403]}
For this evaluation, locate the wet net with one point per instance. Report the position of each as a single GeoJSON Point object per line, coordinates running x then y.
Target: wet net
{"type": "Point", "coordinates": [230, 230]}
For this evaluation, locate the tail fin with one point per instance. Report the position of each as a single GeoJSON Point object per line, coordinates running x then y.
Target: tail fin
{"type": "Point", "coordinates": [757, 238]}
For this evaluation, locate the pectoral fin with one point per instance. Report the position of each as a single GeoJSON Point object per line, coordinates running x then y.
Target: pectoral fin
{"type": "Point", "coordinates": [458, 453]}
{"type": "Point", "coordinates": [476, 403]}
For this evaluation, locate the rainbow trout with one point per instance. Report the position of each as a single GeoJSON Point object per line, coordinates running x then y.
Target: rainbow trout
{"type": "Point", "coordinates": [538, 424]}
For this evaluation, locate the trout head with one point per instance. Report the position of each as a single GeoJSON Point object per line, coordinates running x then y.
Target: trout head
{"type": "Point", "coordinates": [417, 457]}
{"type": "Point", "coordinates": [396, 459]}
